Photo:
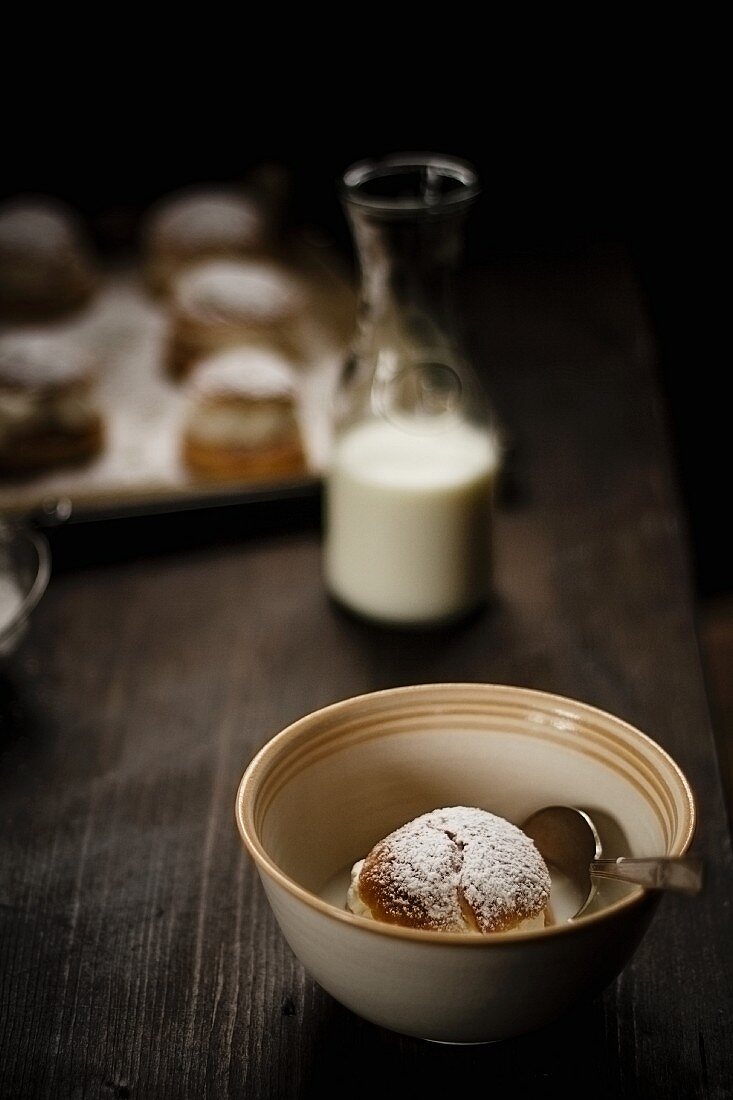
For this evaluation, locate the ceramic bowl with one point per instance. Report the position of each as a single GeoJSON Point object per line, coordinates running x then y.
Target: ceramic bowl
{"type": "Point", "coordinates": [320, 794]}
{"type": "Point", "coordinates": [25, 566]}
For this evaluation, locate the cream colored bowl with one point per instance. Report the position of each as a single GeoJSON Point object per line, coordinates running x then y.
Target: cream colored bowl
{"type": "Point", "coordinates": [321, 793]}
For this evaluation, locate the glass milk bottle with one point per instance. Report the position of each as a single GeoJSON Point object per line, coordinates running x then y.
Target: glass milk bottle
{"type": "Point", "coordinates": [409, 487]}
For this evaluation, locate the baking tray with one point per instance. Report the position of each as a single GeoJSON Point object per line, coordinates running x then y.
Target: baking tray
{"type": "Point", "coordinates": [139, 472]}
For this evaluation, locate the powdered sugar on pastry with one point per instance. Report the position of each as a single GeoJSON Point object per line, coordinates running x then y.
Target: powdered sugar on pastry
{"type": "Point", "coordinates": [206, 220]}
{"type": "Point", "coordinates": [36, 227]}
{"type": "Point", "coordinates": [230, 290]}
{"type": "Point", "coordinates": [248, 370]}
{"type": "Point", "coordinates": [38, 358]}
{"type": "Point", "coordinates": [456, 869]}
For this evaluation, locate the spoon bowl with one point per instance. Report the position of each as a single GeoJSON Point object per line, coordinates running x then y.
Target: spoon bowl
{"type": "Point", "coordinates": [568, 839]}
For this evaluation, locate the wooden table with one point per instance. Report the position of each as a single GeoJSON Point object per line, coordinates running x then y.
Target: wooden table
{"type": "Point", "coordinates": [138, 956]}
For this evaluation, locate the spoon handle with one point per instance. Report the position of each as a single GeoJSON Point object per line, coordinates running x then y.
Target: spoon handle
{"type": "Point", "coordinates": [672, 873]}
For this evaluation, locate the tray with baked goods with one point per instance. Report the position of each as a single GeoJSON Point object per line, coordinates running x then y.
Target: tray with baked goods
{"type": "Point", "coordinates": [199, 373]}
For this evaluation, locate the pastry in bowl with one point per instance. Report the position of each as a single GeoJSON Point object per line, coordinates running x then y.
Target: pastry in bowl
{"type": "Point", "coordinates": [458, 869]}
{"type": "Point", "coordinates": [407, 750]}
{"type": "Point", "coordinates": [201, 224]}
{"type": "Point", "coordinates": [242, 423]}
{"type": "Point", "coordinates": [225, 303]}
{"type": "Point", "coordinates": [45, 263]}
{"type": "Point", "coordinates": [48, 416]}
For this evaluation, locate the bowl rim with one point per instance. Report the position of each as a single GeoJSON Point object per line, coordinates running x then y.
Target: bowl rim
{"type": "Point", "coordinates": [10, 534]}
{"type": "Point", "coordinates": [265, 864]}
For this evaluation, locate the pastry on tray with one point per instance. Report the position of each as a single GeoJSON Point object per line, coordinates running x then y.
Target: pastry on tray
{"type": "Point", "coordinates": [46, 266]}
{"type": "Point", "coordinates": [458, 869]}
{"type": "Point", "coordinates": [224, 303]}
{"type": "Point", "coordinates": [197, 225]}
{"type": "Point", "coordinates": [241, 423]}
{"type": "Point", "coordinates": [48, 416]}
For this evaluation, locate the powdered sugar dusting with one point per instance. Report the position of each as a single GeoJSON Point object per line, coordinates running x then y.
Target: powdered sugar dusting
{"type": "Point", "coordinates": [230, 289]}
{"type": "Point", "coordinates": [245, 371]}
{"type": "Point", "coordinates": [41, 358]}
{"type": "Point", "coordinates": [455, 869]}
{"type": "Point", "coordinates": [32, 228]}
{"type": "Point", "coordinates": [207, 219]}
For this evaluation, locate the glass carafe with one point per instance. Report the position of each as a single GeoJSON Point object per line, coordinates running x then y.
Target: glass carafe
{"type": "Point", "coordinates": [415, 455]}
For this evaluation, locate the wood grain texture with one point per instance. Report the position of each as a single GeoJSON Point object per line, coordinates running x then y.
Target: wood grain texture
{"type": "Point", "coordinates": [138, 956]}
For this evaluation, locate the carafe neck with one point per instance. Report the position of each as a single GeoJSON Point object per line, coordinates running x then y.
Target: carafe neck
{"type": "Point", "coordinates": [407, 216]}
{"type": "Point", "coordinates": [407, 271]}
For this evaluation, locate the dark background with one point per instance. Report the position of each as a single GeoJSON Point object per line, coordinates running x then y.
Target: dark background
{"type": "Point", "coordinates": [563, 172]}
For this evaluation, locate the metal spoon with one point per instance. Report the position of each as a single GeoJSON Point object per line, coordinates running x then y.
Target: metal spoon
{"type": "Point", "coordinates": [567, 838]}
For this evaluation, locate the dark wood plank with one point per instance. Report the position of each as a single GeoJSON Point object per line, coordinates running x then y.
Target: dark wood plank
{"type": "Point", "coordinates": [138, 956]}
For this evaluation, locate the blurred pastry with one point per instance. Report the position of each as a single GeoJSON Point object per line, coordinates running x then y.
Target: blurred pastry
{"type": "Point", "coordinates": [224, 303]}
{"type": "Point", "coordinates": [242, 423]}
{"type": "Point", "coordinates": [200, 225]}
{"type": "Point", "coordinates": [48, 416]}
{"type": "Point", "coordinates": [458, 869]}
{"type": "Point", "coordinates": [45, 263]}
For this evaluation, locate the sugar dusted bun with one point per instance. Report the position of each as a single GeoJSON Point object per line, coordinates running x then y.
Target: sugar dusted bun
{"type": "Point", "coordinates": [241, 423]}
{"type": "Point", "coordinates": [224, 303]}
{"type": "Point", "coordinates": [45, 263]}
{"type": "Point", "coordinates": [201, 224]}
{"type": "Point", "coordinates": [48, 416]}
{"type": "Point", "coordinates": [458, 869]}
